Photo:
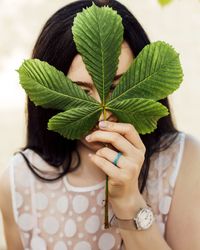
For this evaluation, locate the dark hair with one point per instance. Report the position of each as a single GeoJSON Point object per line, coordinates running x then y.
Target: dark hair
{"type": "Point", "coordinates": [55, 45]}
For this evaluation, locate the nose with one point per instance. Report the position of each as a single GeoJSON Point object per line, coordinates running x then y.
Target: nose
{"type": "Point", "coordinates": [96, 96]}
{"type": "Point", "coordinates": [108, 114]}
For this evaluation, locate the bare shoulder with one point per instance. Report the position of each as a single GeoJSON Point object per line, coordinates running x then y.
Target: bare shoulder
{"type": "Point", "coordinates": [190, 163]}
{"type": "Point", "coordinates": [5, 192]}
{"type": "Point", "coordinates": [183, 224]}
{"type": "Point", "coordinates": [192, 146]}
{"type": "Point", "coordinates": [10, 228]}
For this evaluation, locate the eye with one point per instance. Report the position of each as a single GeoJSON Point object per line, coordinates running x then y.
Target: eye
{"type": "Point", "coordinates": [86, 90]}
{"type": "Point", "coordinates": [112, 87]}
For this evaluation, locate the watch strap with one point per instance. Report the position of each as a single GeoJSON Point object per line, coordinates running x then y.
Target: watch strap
{"type": "Point", "coordinates": [124, 224]}
{"type": "Point", "coordinates": [128, 224]}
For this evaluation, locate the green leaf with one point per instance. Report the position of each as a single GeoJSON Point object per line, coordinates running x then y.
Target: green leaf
{"type": "Point", "coordinates": [98, 34]}
{"type": "Point", "coordinates": [76, 122]}
{"type": "Point", "coordinates": [50, 88]}
{"type": "Point", "coordinates": [164, 2]}
{"type": "Point", "coordinates": [154, 74]}
{"type": "Point", "coordinates": [142, 113]}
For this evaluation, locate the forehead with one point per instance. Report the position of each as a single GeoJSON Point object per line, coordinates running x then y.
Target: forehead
{"type": "Point", "coordinates": [78, 71]}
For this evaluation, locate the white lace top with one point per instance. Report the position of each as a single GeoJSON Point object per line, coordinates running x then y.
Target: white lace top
{"type": "Point", "coordinates": [59, 216]}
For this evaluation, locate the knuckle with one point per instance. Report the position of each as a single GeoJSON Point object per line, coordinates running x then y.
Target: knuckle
{"type": "Point", "coordinates": [116, 136]}
{"type": "Point", "coordinates": [141, 157]}
{"type": "Point", "coordinates": [110, 124]}
{"type": "Point", "coordinates": [103, 150]}
{"type": "Point", "coordinates": [126, 178]}
{"type": "Point", "coordinates": [143, 148]}
{"type": "Point", "coordinates": [133, 168]}
{"type": "Point", "coordinates": [129, 127]}
{"type": "Point", "coordinates": [100, 151]}
{"type": "Point", "coordinates": [114, 182]}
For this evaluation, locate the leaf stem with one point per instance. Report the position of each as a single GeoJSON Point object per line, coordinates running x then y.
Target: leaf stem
{"type": "Point", "coordinates": [106, 222]}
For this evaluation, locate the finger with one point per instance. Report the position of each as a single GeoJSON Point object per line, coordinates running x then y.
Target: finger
{"type": "Point", "coordinates": [110, 155]}
{"type": "Point", "coordinates": [117, 140]}
{"type": "Point", "coordinates": [109, 169]}
{"type": "Point", "coordinates": [125, 129]}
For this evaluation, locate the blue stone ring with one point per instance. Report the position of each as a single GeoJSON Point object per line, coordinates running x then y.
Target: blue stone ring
{"type": "Point", "coordinates": [117, 158]}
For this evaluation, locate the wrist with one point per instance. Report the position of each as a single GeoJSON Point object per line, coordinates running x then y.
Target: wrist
{"type": "Point", "coordinates": [126, 209]}
{"type": "Point", "coordinates": [141, 217]}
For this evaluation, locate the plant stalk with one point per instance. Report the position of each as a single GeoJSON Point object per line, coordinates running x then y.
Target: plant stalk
{"type": "Point", "coordinates": [106, 222]}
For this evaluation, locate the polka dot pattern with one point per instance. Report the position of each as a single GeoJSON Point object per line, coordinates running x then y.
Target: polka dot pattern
{"type": "Point", "coordinates": [161, 227]}
{"type": "Point", "coordinates": [38, 243]}
{"type": "Point", "coordinates": [92, 224]}
{"type": "Point", "coordinates": [83, 245]}
{"type": "Point", "coordinates": [56, 218]}
{"type": "Point", "coordinates": [60, 245]}
{"type": "Point", "coordinates": [80, 204]}
{"type": "Point", "coordinates": [100, 198]}
{"type": "Point", "coordinates": [80, 235]}
{"type": "Point", "coordinates": [41, 201]}
{"type": "Point", "coordinates": [69, 242]}
{"type": "Point", "coordinates": [19, 200]}
{"type": "Point", "coordinates": [106, 241]}
{"type": "Point", "coordinates": [70, 228]}
{"type": "Point", "coordinates": [24, 179]}
{"type": "Point", "coordinates": [172, 180]}
{"type": "Point", "coordinates": [79, 218]}
{"type": "Point", "coordinates": [26, 221]}
{"type": "Point", "coordinates": [164, 204]}
{"type": "Point", "coordinates": [93, 209]}
{"type": "Point", "coordinates": [54, 186]}
{"type": "Point", "coordinates": [50, 225]}
{"type": "Point", "coordinates": [62, 204]}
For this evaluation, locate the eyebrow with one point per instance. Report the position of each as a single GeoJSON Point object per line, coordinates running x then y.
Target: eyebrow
{"type": "Point", "coordinates": [88, 84]}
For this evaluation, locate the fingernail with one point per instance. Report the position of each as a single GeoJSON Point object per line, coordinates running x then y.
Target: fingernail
{"type": "Point", "coordinates": [102, 124]}
{"type": "Point", "coordinates": [88, 137]}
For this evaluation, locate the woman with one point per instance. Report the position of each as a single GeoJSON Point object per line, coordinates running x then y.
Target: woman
{"type": "Point", "coordinates": [158, 169]}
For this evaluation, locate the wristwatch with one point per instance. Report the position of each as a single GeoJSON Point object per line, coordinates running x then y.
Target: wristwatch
{"type": "Point", "coordinates": [142, 221]}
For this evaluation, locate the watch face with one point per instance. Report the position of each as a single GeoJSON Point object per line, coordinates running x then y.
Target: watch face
{"type": "Point", "coordinates": [145, 218]}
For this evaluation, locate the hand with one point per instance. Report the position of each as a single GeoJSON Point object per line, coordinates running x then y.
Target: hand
{"type": "Point", "coordinates": [123, 178]}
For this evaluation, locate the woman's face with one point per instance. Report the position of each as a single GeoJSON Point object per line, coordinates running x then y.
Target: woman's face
{"type": "Point", "coordinates": [79, 74]}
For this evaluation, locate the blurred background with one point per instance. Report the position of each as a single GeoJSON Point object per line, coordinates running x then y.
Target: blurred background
{"type": "Point", "coordinates": [177, 23]}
